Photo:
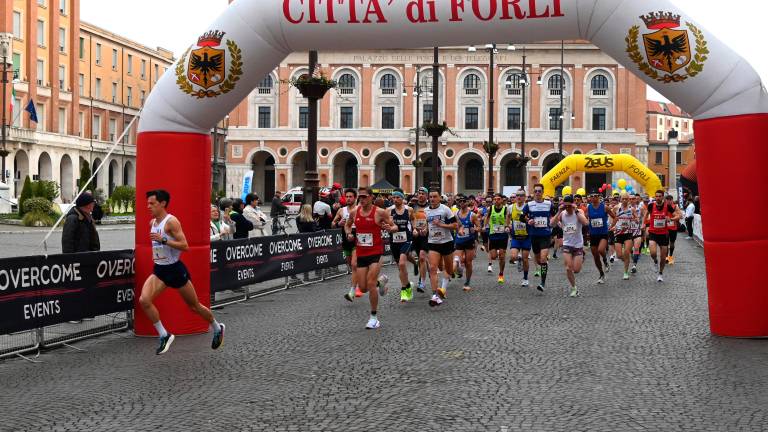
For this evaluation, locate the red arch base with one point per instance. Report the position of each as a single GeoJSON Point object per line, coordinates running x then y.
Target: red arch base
{"type": "Point", "coordinates": [732, 154]}
{"type": "Point", "coordinates": [181, 164]}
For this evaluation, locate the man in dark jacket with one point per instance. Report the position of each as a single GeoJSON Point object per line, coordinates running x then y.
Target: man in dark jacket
{"type": "Point", "coordinates": [278, 209]}
{"type": "Point", "coordinates": [79, 230]}
{"type": "Point", "coordinates": [242, 225]}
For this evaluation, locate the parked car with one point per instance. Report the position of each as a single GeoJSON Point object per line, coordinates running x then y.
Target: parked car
{"type": "Point", "coordinates": [294, 198]}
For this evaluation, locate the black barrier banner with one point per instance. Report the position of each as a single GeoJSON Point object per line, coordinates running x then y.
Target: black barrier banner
{"type": "Point", "coordinates": [40, 291]}
{"type": "Point", "coordinates": [236, 263]}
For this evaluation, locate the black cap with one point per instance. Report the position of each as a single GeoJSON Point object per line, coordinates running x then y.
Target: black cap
{"type": "Point", "coordinates": [568, 198]}
{"type": "Point", "coordinates": [84, 199]}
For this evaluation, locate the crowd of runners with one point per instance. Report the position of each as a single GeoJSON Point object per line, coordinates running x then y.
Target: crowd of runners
{"type": "Point", "coordinates": [441, 237]}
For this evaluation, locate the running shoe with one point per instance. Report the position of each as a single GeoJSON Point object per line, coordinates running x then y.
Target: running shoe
{"type": "Point", "coordinates": [382, 284]}
{"type": "Point", "coordinates": [626, 276]}
{"type": "Point", "coordinates": [406, 294]}
{"type": "Point", "coordinates": [540, 287]}
{"type": "Point", "coordinates": [574, 292]}
{"type": "Point", "coordinates": [358, 293]}
{"type": "Point", "coordinates": [420, 286]}
{"type": "Point", "coordinates": [490, 268]}
{"type": "Point", "coordinates": [525, 283]}
{"type": "Point", "coordinates": [520, 265]}
{"type": "Point", "coordinates": [601, 281]}
{"type": "Point", "coordinates": [537, 273]}
{"type": "Point", "coordinates": [646, 251]}
{"type": "Point", "coordinates": [671, 260]}
{"type": "Point", "coordinates": [442, 292]}
{"type": "Point", "coordinates": [612, 259]}
{"type": "Point", "coordinates": [373, 323]}
{"type": "Point", "coordinates": [467, 288]}
{"type": "Point", "coordinates": [660, 279]}
{"type": "Point", "coordinates": [409, 292]}
{"type": "Point", "coordinates": [435, 300]}
{"type": "Point", "coordinates": [501, 280]}
{"type": "Point", "coordinates": [634, 268]}
{"type": "Point", "coordinates": [218, 338]}
{"type": "Point", "coordinates": [350, 296]}
{"type": "Point", "coordinates": [165, 343]}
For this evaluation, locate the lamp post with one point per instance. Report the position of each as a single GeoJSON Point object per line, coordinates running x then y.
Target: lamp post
{"type": "Point", "coordinates": [562, 93]}
{"type": "Point", "coordinates": [417, 91]}
{"type": "Point", "coordinates": [5, 46]}
{"type": "Point", "coordinates": [311, 180]}
{"type": "Point", "coordinates": [523, 82]}
{"type": "Point", "coordinates": [437, 176]}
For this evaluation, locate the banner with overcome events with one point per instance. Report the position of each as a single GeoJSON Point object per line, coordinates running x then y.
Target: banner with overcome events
{"type": "Point", "coordinates": [37, 291]}
{"type": "Point", "coordinates": [600, 164]}
{"type": "Point", "coordinates": [236, 263]}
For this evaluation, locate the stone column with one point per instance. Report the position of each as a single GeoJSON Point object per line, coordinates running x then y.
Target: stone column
{"type": "Point", "coordinates": [672, 172]}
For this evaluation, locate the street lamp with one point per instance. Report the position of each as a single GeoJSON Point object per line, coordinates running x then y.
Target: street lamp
{"type": "Point", "coordinates": [5, 47]}
{"type": "Point", "coordinates": [523, 82]}
{"type": "Point", "coordinates": [417, 91]}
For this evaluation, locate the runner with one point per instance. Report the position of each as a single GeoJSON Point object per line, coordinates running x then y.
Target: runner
{"type": "Point", "coordinates": [623, 228]}
{"type": "Point", "coordinates": [420, 231]}
{"type": "Point", "coordinates": [598, 233]}
{"type": "Point", "coordinates": [660, 213]}
{"type": "Point", "coordinates": [497, 221]}
{"type": "Point", "coordinates": [673, 226]}
{"type": "Point", "coordinates": [521, 242]}
{"type": "Point", "coordinates": [487, 204]}
{"type": "Point", "coordinates": [572, 220]}
{"type": "Point", "coordinates": [168, 242]}
{"type": "Point", "coordinates": [466, 238]}
{"type": "Point", "coordinates": [638, 226]}
{"type": "Point", "coordinates": [369, 221]}
{"type": "Point", "coordinates": [350, 198]}
{"type": "Point", "coordinates": [441, 222]}
{"type": "Point", "coordinates": [537, 214]}
{"type": "Point", "coordinates": [402, 241]}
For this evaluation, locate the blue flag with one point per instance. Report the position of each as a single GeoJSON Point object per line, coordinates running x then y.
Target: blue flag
{"type": "Point", "coordinates": [31, 110]}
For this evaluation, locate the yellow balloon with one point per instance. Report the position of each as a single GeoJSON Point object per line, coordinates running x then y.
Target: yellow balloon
{"type": "Point", "coordinates": [581, 192]}
{"type": "Point", "coordinates": [622, 183]}
{"type": "Point", "coordinates": [567, 190]}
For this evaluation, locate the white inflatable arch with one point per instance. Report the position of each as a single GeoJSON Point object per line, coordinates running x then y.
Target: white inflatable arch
{"type": "Point", "coordinates": [652, 38]}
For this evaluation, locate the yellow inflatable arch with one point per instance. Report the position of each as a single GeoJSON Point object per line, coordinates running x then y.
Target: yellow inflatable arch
{"type": "Point", "coordinates": [600, 164]}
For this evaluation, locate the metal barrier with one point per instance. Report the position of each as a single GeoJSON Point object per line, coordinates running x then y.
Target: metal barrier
{"type": "Point", "coordinates": [63, 334]}
{"type": "Point", "coordinates": [19, 343]}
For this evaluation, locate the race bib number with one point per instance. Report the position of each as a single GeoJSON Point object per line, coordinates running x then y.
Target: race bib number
{"type": "Point", "coordinates": [622, 224]}
{"type": "Point", "coordinates": [659, 223]}
{"type": "Point", "coordinates": [365, 239]}
{"type": "Point", "coordinates": [421, 224]}
{"type": "Point", "coordinates": [435, 233]}
{"type": "Point", "coordinates": [158, 253]}
{"type": "Point", "coordinates": [499, 229]}
{"type": "Point", "coordinates": [540, 222]}
{"type": "Point", "coordinates": [519, 226]}
{"type": "Point", "coordinates": [399, 237]}
{"type": "Point", "coordinates": [596, 223]}
{"type": "Point", "coordinates": [570, 229]}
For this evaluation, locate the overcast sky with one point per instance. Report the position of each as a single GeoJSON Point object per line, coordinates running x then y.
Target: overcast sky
{"type": "Point", "coordinates": [175, 24]}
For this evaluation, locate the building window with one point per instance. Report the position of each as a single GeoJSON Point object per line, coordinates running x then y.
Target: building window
{"type": "Point", "coordinates": [114, 92]}
{"type": "Point", "coordinates": [598, 118]}
{"type": "Point", "coordinates": [112, 129]}
{"type": "Point", "coordinates": [143, 69]}
{"type": "Point", "coordinates": [677, 124]}
{"type": "Point", "coordinates": [679, 158]}
{"type": "Point", "coordinates": [513, 84]}
{"type": "Point", "coordinates": [62, 121]}
{"type": "Point", "coordinates": [685, 125]}
{"type": "Point", "coordinates": [471, 115]}
{"type": "Point", "coordinates": [82, 48]}
{"type": "Point", "coordinates": [427, 114]}
{"type": "Point", "coordinates": [16, 65]}
{"type": "Point", "coordinates": [40, 33]}
{"type": "Point", "coordinates": [98, 54]}
{"type": "Point", "coordinates": [142, 96]}
{"type": "Point", "coordinates": [659, 158]}
{"type": "Point", "coordinates": [62, 40]}
{"type": "Point", "coordinates": [661, 121]}
{"type": "Point", "coordinates": [40, 72]}
{"type": "Point", "coordinates": [303, 117]}
{"type": "Point", "coordinates": [661, 136]}
{"type": "Point", "coordinates": [663, 179]}
{"type": "Point", "coordinates": [63, 7]}
{"type": "Point", "coordinates": [388, 84]}
{"type": "Point", "coordinates": [97, 90]}
{"type": "Point", "coordinates": [265, 117]}
{"type": "Point", "coordinates": [62, 77]}
{"type": "Point", "coordinates": [81, 84]}
{"type": "Point", "coordinates": [129, 96]}
{"type": "Point", "coordinates": [388, 117]}
{"type": "Point", "coordinates": [157, 72]}
{"type": "Point", "coordinates": [347, 84]}
{"type": "Point", "coordinates": [513, 118]}
{"type": "Point", "coordinates": [473, 177]}
{"type": "Point", "coordinates": [472, 85]}
{"type": "Point", "coordinates": [81, 122]}
{"type": "Point", "coordinates": [555, 85]}
{"type": "Point", "coordinates": [114, 59]}
{"type": "Point", "coordinates": [17, 25]}
{"type": "Point", "coordinates": [265, 85]}
{"type": "Point", "coordinates": [345, 118]}
{"type": "Point", "coordinates": [129, 66]}
{"type": "Point", "coordinates": [16, 107]}
{"type": "Point", "coordinates": [599, 86]}
{"type": "Point", "coordinates": [554, 118]}
{"type": "Point", "coordinates": [96, 129]}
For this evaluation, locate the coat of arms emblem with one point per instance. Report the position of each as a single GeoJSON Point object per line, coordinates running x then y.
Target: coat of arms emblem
{"type": "Point", "coordinates": [668, 49]}
{"type": "Point", "coordinates": [206, 69]}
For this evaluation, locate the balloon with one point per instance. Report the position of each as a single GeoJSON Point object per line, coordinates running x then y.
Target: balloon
{"type": "Point", "coordinates": [567, 190]}
{"type": "Point", "coordinates": [622, 183]}
{"type": "Point", "coordinates": [614, 186]}
{"type": "Point", "coordinates": [608, 187]}
{"type": "Point", "coordinates": [581, 192]}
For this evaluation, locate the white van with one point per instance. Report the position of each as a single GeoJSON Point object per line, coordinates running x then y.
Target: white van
{"type": "Point", "coordinates": [294, 198]}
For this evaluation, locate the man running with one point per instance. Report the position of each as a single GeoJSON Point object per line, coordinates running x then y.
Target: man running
{"type": "Point", "coordinates": [572, 220]}
{"type": "Point", "coordinates": [623, 227]}
{"type": "Point", "coordinates": [441, 222]}
{"type": "Point", "coordinates": [342, 216]}
{"type": "Point", "coordinates": [484, 233]}
{"type": "Point", "coordinates": [497, 221]}
{"type": "Point", "coordinates": [466, 238]}
{"type": "Point", "coordinates": [638, 227]}
{"type": "Point", "coordinates": [402, 240]}
{"type": "Point", "coordinates": [168, 242]}
{"type": "Point", "coordinates": [369, 221]}
{"type": "Point", "coordinates": [673, 226]}
{"type": "Point", "coordinates": [520, 242]}
{"type": "Point", "coordinates": [537, 214]}
{"type": "Point", "coordinates": [659, 215]}
{"type": "Point", "coordinates": [420, 234]}
{"type": "Point", "coordinates": [598, 233]}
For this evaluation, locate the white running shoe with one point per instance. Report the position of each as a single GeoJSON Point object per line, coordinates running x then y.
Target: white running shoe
{"type": "Point", "coordinates": [601, 280]}
{"type": "Point", "coordinates": [574, 292]}
{"type": "Point", "coordinates": [525, 283]}
{"type": "Point", "coordinates": [490, 268]}
{"type": "Point", "coordinates": [383, 280]}
{"type": "Point", "coordinates": [373, 323]}
{"type": "Point", "coordinates": [660, 279]}
{"type": "Point", "coordinates": [435, 300]}
{"type": "Point", "coordinates": [612, 258]}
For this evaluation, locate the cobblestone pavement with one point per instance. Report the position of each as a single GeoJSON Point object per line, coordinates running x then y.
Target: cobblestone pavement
{"type": "Point", "coordinates": [623, 356]}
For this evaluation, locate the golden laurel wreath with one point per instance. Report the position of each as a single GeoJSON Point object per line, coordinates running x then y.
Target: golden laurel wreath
{"type": "Point", "coordinates": [694, 67]}
{"type": "Point", "coordinates": [235, 71]}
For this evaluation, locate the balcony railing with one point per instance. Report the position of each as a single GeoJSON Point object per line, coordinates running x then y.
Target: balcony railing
{"type": "Point", "coordinates": [599, 92]}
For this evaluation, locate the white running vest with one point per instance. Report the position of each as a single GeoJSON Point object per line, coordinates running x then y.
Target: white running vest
{"type": "Point", "coordinates": [163, 254]}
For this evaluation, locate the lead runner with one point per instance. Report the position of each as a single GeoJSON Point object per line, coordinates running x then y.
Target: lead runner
{"type": "Point", "coordinates": [168, 242]}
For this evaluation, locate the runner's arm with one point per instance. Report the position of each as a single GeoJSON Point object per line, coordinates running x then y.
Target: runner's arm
{"type": "Point", "coordinates": [350, 221]}
{"type": "Point", "coordinates": [173, 228]}
{"type": "Point", "coordinates": [582, 218]}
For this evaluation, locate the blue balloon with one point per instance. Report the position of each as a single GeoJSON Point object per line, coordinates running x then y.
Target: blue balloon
{"type": "Point", "coordinates": [614, 185]}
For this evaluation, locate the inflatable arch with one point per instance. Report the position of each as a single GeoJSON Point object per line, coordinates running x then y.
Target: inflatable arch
{"type": "Point", "coordinates": [600, 164]}
{"type": "Point", "coordinates": [651, 38]}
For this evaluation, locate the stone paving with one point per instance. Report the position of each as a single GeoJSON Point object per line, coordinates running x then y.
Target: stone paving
{"type": "Point", "coordinates": [634, 356]}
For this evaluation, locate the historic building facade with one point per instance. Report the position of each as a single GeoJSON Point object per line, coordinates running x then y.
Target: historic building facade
{"type": "Point", "coordinates": [667, 156]}
{"type": "Point", "coordinates": [367, 125]}
{"type": "Point", "coordinates": [87, 85]}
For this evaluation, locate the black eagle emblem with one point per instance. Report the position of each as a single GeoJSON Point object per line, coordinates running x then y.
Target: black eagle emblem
{"type": "Point", "coordinates": [206, 65]}
{"type": "Point", "coordinates": [668, 48]}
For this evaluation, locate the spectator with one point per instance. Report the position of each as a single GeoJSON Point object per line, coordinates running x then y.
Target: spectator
{"type": "Point", "coordinates": [79, 230]}
{"type": "Point", "coordinates": [242, 225]}
{"type": "Point", "coordinates": [337, 195]}
{"type": "Point", "coordinates": [305, 222]}
{"type": "Point", "coordinates": [218, 228]}
{"type": "Point", "coordinates": [98, 213]}
{"type": "Point", "coordinates": [278, 209]}
{"type": "Point", "coordinates": [253, 213]}
{"type": "Point", "coordinates": [690, 210]}
{"type": "Point", "coordinates": [225, 208]}
{"type": "Point", "coordinates": [322, 211]}
{"type": "Point", "coordinates": [697, 203]}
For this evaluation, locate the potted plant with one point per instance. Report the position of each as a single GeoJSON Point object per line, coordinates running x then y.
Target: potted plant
{"type": "Point", "coordinates": [491, 148]}
{"type": "Point", "coordinates": [436, 130]}
{"type": "Point", "coordinates": [418, 163]}
{"type": "Point", "coordinates": [313, 86]}
{"type": "Point", "coordinates": [520, 160]}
